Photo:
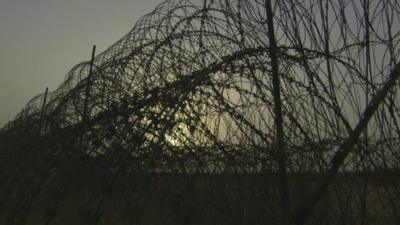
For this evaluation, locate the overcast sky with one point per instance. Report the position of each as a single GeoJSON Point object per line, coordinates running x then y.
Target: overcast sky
{"type": "Point", "coordinates": [41, 40]}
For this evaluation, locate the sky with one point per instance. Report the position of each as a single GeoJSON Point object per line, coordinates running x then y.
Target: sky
{"type": "Point", "coordinates": [41, 40]}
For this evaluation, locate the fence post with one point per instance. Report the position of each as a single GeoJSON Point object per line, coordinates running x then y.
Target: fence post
{"type": "Point", "coordinates": [88, 84]}
{"type": "Point", "coordinates": [21, 121]}
{"type": "Point", "coordinates": [43, 109]}
{"type": "Point", "coordinates": [85, 115]}
{"type": "Point", "coordinates": [279, 139]}
{"type": "Point", "coordinates": [304, 211]}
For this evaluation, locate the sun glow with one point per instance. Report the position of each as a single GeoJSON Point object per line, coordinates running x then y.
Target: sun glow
{"type": "Point", "coordinates": [178, 136]}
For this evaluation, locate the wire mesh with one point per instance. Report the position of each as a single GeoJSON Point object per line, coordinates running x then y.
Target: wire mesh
{"type": "Point", "coordinates": [187, 95]}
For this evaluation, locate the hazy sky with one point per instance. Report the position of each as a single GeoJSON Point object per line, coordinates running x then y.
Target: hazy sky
{"type": "Point", "coordinates": [41, 40]}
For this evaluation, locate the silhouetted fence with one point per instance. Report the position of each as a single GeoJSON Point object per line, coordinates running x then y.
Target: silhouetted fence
{"type": "Point", "coordinates": [243, 112]}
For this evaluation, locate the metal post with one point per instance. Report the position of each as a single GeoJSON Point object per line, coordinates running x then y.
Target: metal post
{"type": "Point", "coordinates": [279, 141]}
{"type": "Point", "coordinates": [304, 211]}
{"type": "Point", "coordinates": [21, 121]}
{"type": "Point", "coordinates": [43, 109]}
{"type": "Point", "coordinates": [88, 84]}
{"type": "Point", "coordinates": [85, 115]}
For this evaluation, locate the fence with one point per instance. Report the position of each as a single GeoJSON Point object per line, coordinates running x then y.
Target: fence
{"type": "Point", "coordinates": [271, 112]}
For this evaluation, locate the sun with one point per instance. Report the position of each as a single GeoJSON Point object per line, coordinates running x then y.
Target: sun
{"type": "Point", "coordinates": [178, 135]}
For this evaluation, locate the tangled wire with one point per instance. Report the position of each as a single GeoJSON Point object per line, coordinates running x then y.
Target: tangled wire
{"type": "Point", "coordinates": [190, 89]}
{"type": "Point", "coordinates": [194, 82]}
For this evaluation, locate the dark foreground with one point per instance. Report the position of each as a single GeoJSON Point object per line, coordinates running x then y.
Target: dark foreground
{"type": "Point", "coordinates": [60, 192]}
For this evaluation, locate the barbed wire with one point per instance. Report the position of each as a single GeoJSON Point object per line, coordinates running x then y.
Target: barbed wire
{"type": "Point", "coordinates": [189, 90]}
